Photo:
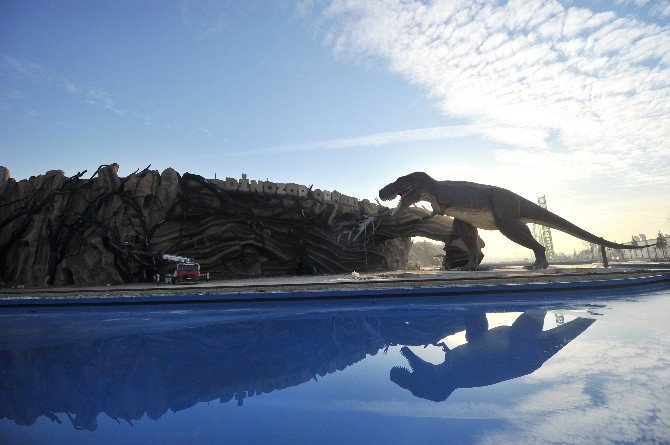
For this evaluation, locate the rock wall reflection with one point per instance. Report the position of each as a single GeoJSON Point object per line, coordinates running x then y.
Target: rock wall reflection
{"type": "Point", "coordinates": [126, 377]}
{"type": "Point", "coordinates": [134, 375]}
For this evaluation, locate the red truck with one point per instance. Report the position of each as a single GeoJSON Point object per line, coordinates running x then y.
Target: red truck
{"type": "Point", "coordinates": [186, 273]}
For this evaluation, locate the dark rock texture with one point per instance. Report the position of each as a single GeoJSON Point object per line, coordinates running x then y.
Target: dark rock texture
{"type": "Point", "coordinates": [100, 228]}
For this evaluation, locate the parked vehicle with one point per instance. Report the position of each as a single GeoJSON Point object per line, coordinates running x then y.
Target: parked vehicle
{"type": "Point", "coordinates": [187, 270]}
{"type": "Point", "coordinates": [186, 273]}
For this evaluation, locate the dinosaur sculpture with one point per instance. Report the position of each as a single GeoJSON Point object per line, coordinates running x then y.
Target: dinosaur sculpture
{"type": "Point", "coordinates": [490, 356]}
{"type": "Point", "coordinates": [477, 206]}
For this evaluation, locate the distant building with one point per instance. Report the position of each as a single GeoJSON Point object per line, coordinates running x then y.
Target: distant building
{"type": "Point", "coordinates": [648, 253]}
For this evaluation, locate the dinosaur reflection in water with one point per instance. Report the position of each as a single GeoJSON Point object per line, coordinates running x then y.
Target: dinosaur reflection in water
{"type": "Point", "coordinates": [127, 372]}
{"type": "Point", "coordinates": [490, 356]}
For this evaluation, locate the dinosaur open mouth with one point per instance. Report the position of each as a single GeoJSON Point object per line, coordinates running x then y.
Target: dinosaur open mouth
{"type": "Point", "coordinates": [402, 205]}
{"type": "Point", "coordinates": [389, 192]}
{"type": "Point", "coordinates": [399, 372]}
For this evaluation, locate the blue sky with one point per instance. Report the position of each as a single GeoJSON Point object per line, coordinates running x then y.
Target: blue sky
{"type": "Point", "coordinates": [565, 99]}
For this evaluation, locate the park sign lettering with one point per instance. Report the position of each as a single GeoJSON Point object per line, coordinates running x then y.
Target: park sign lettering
{"type": "Point", "coordinates": [287, 189]}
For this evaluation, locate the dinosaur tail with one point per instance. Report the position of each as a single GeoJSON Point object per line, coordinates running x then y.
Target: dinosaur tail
{"type": "Point", "coordinates": [536, 214]}
{"type": "Point", "coordinates": [553, 340]}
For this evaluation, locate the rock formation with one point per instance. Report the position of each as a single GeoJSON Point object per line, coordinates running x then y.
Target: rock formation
{"type": "Point", "coordinates": [101, 228]}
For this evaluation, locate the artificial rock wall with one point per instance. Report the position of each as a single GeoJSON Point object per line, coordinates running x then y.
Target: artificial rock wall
{"type": "Point", "coordinates": [101, 228]}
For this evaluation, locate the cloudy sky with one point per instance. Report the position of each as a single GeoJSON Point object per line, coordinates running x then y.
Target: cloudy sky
{"type": "Point", "coordinates": [565, 99]}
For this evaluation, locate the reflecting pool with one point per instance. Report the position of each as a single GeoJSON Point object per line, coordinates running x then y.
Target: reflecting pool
{"type": "Point", "coordinates": [589, 368]}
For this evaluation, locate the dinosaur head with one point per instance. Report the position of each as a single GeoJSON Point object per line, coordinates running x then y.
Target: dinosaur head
{"type": "Point", "coordinates": [411, 189]}
{"type": "Point", "coordinates": [423, 379]}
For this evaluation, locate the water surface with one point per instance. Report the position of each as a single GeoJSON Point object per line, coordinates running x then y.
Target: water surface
{"type": "Point", "coordinates": [560, 369]}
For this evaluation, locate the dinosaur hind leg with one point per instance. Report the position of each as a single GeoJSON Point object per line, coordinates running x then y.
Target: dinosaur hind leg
{"type": "Point", "coordinates": [518, 232]}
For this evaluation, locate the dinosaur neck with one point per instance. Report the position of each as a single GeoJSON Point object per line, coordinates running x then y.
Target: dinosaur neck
{"type": "Point", "coordinates": [430, 191]}
{"type": "Point", "coordinates": [430, 186]}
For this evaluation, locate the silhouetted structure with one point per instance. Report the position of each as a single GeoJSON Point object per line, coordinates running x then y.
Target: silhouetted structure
{"type": "Point", "coordinates": [106, 229]}
{"type": "Point", "coordinates": [542, 233]}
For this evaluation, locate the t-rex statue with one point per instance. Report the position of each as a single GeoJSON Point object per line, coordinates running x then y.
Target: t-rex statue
{"type": "Point", "coordinates": [490, 356]}
{"type": "Point", "coordinates": [477, 206]}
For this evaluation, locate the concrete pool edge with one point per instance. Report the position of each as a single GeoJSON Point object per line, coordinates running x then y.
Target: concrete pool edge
{"type": "Point", "coordinates": [360, 290]}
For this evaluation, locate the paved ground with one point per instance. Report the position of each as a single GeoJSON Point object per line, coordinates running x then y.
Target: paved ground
{"type": "Point", "coordinates": [396, 279]}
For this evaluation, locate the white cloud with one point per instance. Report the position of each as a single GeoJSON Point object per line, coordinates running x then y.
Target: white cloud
{"type": "Point", "coordinates": [35, 72]}
{"type": "Point", "coordinates": [207, 18]}
{"type": "Point", "coordinates": [522, 71]}
{"type": "Point", "coordinates": [41, 75]}
{"type": "Point", "coordinates": [375, 139]}
{"type": "Point", "coordinates": [418, 408]}
{"type": "Point", "coordinates": [603, 391]}
{"type": "Point", "coordinates": [103, 98]}
{"type": "Point", "coordinates": [24, 67]}
{"type": "Point", "coordinates": [70, 87]}
{"type": "Point", "coordinates": [659, 8]}
{"type": "Point", "coordinates": [662, 9]}
{"type": "Point", "coordinates": [303, 7]}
